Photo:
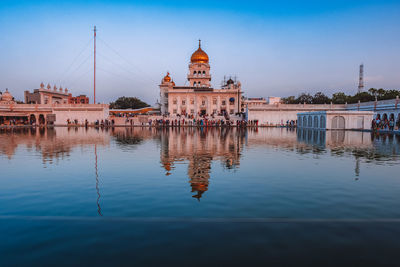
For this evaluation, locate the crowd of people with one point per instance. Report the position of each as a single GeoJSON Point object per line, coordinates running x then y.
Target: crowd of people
{"type": "Point", "coordinates": [196, 122]}
{"type": "Point", "coordinates": [385, 124]}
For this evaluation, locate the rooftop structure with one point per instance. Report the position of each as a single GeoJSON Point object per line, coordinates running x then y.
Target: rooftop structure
{"type": "Point", "coordinates": [52, 95]}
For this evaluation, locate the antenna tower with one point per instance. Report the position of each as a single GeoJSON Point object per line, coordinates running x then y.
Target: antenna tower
{"type": "Point", "coordinates": [361, 79]}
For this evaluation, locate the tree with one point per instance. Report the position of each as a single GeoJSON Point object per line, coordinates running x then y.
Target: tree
{"type": "Point", "coordinates": [381, 93]}
{"type": "Point", "coordinates": [362, 97]}
{"type": "Point", "coordinates": [339, 98]}
{"type": "Point", "coordinates": [320, 98]}
{"type": "Point", "coordinates": [391, 94]}
{"type": "Point", "coordinates": [128, 103]}
{"type": "Point", "coordinates": [289, 100]}
{"type": "Point", "coordinates": [373, 92]}
{"type": "Point", "coordinates": [305, 98]}
{"type": "Point", "coordinates": [342, 98]}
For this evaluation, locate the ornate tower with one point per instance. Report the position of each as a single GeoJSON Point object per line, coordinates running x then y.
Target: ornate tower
{"type": "Point", "coordinates": [166, 84]}
{"type": "Point", "coordinates": [199, 69]}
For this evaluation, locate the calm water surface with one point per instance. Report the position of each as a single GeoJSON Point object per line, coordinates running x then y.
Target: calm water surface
{"type": "Point", "coordinates": [140, 196]}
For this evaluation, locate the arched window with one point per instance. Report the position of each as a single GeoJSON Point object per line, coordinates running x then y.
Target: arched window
{"type": "Point", "coordinates": [204, 73]}
{"type": "Point", "coordinates": [304, 121]}
{"type": "Point", "coordinates": [322, 122]}
{"type": "Point", "coordinates": [315, 121]}
{"type": "Point", "coordinates": [300, 120]}
{"type": "Point", "coordinates": [194, 72]}
{"type": "Point", "coordinates": [309, 121]}
{"type": "Point", "coordinates": [194, 84]}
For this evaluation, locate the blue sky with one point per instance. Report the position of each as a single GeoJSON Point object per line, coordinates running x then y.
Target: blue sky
{"type": "Point", "coordinates": [275, 48]}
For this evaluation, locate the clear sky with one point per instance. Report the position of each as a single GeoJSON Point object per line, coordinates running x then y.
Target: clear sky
{"type": "Point", "coordinates": [275, 48]}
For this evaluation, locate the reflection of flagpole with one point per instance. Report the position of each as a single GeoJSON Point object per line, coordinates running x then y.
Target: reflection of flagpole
{"type": "Point", "coordinates": [357, 169]}
{"type": "Point", "coordinates": [97, 181]}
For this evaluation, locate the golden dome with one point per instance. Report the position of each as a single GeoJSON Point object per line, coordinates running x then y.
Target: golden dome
{"type": "Point", "coordinates": [199, 56]}
{"type": "Point", "coordinates": [167, 78]}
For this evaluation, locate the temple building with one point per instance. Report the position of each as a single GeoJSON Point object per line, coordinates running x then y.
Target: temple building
{"type": "Point", "coordinates": [50, 106]}
{"type": "Point", "coordinates": [48, 95]}
{"type": "Point", "coordinates": [199, 97]}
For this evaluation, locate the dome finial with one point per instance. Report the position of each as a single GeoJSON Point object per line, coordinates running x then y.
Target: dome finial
{"type": "Point", "coordinates": [167, 78]}
{"type": "Point", "coordinates": [199, 56]}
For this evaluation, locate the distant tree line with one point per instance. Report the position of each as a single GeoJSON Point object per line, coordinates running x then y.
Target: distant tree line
{"type": "Point", "coordinates": [342, 98]}
{"type": "Point", "coordinates": [128, 103]}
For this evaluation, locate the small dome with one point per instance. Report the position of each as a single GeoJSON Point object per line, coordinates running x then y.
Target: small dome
{"type": "Point", "coordinates": [173, 83]}
{"type": "Point", "coordinates": [199, 56]}
{"type": "Point", "coordinates": [230, 81]}
{"type": "Point", "coordinates": [6, 96]}
{"type": "Point", "coordinates": [167, 78]}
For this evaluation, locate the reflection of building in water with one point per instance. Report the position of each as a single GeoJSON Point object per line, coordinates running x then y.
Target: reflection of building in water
{"type": "Point", "coordinates": [362, 145]}
{"type": "Point", "coordinates": [199, 173]}
{"type": "Point", "coordinates": [334, 138]}
{"type": "Point", "coordinates": [53, 143]}
{"type": "Point", "coordinates": [200, 148]}
{"type": "Point", "coordinates": [134, 135]}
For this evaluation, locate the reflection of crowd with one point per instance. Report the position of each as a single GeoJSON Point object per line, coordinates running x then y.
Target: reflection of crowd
{"type": "Point", "coordinates": [291, 123]}
{"type": "Point", "coordinates": [385, 124]}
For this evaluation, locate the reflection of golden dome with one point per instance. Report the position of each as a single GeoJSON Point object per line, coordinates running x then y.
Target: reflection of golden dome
{"type": "Point", "coordinates": [167, 78]}
{"type": "Point", "coordinates": [199, 56]}
{"type": "Point", "coordinates": [6, 96]}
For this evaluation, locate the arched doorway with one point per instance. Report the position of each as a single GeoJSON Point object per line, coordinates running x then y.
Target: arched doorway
{"type": "Point", "coordinates": [309, 121]}
{"type": "Point", "coordinates": [32, 119]}
{"type": "Point", "coordinates": [203, 106]}
{"type": "Point", "coordinates": [304, 121]}
{"type": "Point", "coordinates": [338, 122]}
{"type": "Point", "coordinates": [378, 116]}
{"type": "Point", "coordinates": [322, 122]}
{"type": "Point", "coordinates": [315, 121]}
{"type": "Point", "coordinates": [385, 117]}
{"type": "Point", "coordinates": [42, 120]}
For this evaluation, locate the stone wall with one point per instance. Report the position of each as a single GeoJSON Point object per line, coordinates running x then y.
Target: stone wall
{"type": "Point", "coordinates": [90, 112]}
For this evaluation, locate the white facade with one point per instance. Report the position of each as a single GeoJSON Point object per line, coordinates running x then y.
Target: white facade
{"type": "Point", "coordinates": [335, 120]}
{"type": "Point", "coordinates": [199, 98]}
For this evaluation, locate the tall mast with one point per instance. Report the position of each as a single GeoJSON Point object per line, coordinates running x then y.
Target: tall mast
{"type": "Point", "coordinates": [94, 69]}
{"type": "Point", "coordinates": [361, 79]}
